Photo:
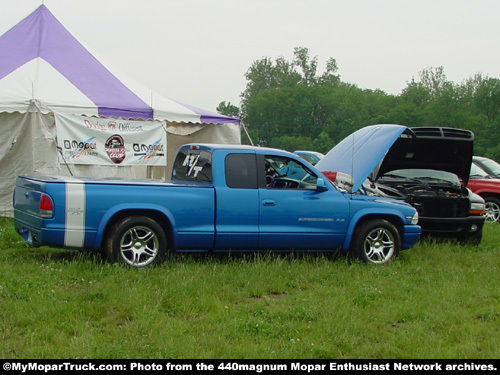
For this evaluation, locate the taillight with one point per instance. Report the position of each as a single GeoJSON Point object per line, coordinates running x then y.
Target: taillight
{"type": "Point", "coordinates": [46, 207]}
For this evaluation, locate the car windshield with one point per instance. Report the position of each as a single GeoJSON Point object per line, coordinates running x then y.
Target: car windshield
{"type": "Point", "coordinates": [424, 175]}
{"type": "Point", "coordinates": [477, 172]}
{"type": "Point", "coordinates": [319, 155]}
{"type": "Point", "coordinates": [491, 166]}
{"type": "Point", "coordinates": [311, 156]}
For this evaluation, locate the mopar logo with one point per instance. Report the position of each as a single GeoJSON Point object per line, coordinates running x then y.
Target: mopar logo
{"type": "Point", "coordinates": [148, 148]}
{"type": "Point", "coordinates": [146, 151]}
{"type": "Point", "coordinates": [89, 144]}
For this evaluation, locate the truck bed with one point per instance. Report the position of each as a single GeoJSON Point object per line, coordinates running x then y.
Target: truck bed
{"type": "Point", "coordinates": [191, 204]}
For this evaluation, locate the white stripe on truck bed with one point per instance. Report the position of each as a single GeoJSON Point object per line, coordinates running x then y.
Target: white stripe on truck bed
{"type": "Point", "coordinates": [74, 233]}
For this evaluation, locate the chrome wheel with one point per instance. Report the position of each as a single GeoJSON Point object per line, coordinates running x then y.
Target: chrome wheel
{"type": "Point", "coordinates": [492, 211]}
{"type": "Point", "coordinates": [379, 245]}
{"type": "Point", "coordinates": [139, 246]}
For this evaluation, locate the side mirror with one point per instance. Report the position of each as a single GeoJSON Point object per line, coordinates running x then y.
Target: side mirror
{"type": "Point", "coordinates": [321, 185]}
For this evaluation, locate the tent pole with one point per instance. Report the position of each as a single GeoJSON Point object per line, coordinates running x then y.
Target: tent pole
{"type": "Point", "coordinates": [246, 132]}
{"type": "Point", "coordinates": [62, 156]}
{"type": "Point", "coordinates": [166, 150]}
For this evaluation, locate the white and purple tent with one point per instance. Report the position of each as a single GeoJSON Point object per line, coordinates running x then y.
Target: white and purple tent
{"type": "Point", "coordinates": [44, 71]}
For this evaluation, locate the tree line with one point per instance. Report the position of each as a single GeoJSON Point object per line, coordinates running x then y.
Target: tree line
{"type": "Point", "coordinates": [288, 105]}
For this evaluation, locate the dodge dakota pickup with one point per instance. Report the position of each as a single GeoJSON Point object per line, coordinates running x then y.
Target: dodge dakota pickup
{"type": "Point", "coordinates": [220, 198]}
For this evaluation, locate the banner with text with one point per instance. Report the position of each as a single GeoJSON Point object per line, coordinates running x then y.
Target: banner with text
{"type": "Point", "coordinates": [103, 141]}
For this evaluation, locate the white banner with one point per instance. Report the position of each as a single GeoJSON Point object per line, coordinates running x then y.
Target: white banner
{"type": "Point", "coordinates": [103, 141]}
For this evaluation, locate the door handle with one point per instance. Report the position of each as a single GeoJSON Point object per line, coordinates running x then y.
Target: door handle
{"type": "Point", "coordinates": [268, 202]}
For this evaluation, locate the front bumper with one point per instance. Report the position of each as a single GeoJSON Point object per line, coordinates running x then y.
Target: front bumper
{"type": "Point", "coordinates": [451, 227]}
{"type": "Point", "coordinates": [411, 236]}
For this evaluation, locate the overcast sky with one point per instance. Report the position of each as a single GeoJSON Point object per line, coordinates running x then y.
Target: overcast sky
{"type": "Point", "coordinates": [197, 51]}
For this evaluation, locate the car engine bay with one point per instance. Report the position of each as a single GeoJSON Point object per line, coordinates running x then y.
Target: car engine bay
{"type": "Point", "coordinates": [430, 199]}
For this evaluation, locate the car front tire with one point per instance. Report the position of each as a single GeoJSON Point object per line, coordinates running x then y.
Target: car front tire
{"type": "Point", "coordinates": [376, 241]}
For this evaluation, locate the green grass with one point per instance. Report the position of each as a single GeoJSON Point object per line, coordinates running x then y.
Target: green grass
{"type": "Point", "coordinates": [437, 300]}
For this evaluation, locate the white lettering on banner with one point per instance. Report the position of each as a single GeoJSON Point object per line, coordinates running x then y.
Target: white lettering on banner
{"type": "Point", "coordinates": [102, 141]}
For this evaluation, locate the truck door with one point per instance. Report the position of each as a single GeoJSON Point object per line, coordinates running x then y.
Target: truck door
{"type": "Point", "coordinates": [237, 202]}
{"type": "Point", "coordinates": [294, 213]}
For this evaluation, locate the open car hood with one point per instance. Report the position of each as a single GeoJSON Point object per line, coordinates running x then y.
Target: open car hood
{"type": "Point", "coordinates": [378, 149]}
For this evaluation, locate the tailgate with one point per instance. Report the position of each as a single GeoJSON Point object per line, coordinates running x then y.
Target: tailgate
{"type": "Point", "coordinates": [27, 219]}
{"type": "Point", "coordinates": [30, 216]}
{"type": "Point", "coordinates": [27, 196]}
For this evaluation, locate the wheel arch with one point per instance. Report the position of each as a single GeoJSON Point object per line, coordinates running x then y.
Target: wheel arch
{"type": "Point", "coordinates": [488, 194]}
{"type": "Point", "coordinates": [392, 218]}
{"type": "Point", "coordinates": [159, 214]}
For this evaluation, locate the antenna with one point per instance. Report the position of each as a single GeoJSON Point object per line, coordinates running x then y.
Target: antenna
{"type": "Point", "coordinates": [352, 162]}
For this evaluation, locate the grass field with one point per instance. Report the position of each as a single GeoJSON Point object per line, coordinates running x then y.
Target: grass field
{"type": "Point", "coordinates": [437, 300]}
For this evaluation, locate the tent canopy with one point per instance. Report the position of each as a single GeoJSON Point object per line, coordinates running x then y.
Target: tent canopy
{"type": "Point", "coordinates": [45, 71]}
{"type": "Point", "coordinates": [41, 62]}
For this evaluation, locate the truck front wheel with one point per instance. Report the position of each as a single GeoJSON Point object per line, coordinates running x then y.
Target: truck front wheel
{"type": "Point", "coordinates": [137, 241]}
{"type": "Point", "coordinates": [492, 209]}
{"type": "Point", "coordinates": [375, 241]}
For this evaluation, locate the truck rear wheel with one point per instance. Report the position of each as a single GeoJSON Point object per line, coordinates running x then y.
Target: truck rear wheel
{"type": "Point", "coordinates": [376, 241]}
{"type": "Point", "coordinates": [137, 241]}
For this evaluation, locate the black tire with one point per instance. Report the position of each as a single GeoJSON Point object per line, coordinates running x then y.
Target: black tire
{"type": "Point", "coordinates": [492, 209]}
{"type": "Point", "coordinates": [473, 239]}
{"type": "Point", "coordinates": [136, 241]}
{"type": "Point", "coordinates": [376, 241]}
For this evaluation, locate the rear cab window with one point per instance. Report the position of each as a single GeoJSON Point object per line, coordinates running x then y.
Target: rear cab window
{"type": "Point", "coordinates": [241, 171]}
{"type": "Point", "coordinates": [193, 165]}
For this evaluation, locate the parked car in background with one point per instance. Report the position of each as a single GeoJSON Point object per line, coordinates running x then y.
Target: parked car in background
{"type": "Point", "coordinates": [426, 167]}
{"type": "Point", "coordinates": [488, 165]}
{"type": "Point", "coordinates": [488, 187]}
{"type": "Point", "coordinates": [295, 169]}
{"type": "Point", "coordinates": [311, 156]}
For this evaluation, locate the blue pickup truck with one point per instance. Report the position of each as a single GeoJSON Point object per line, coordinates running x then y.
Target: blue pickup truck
{"type": "Point", "coordinates": [220, 198]}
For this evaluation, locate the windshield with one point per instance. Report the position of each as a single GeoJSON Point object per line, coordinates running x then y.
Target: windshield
{"type": "Point", "coordinates": [490, 165]}
{"type": "Point", "coordinates": [424, 175]}
{"type": "Point", "coordinates": [311, 156]}
{"type": "Point", "coordinates": [477, 172]}
{"type": "Point", "coordinates": [319, 155]}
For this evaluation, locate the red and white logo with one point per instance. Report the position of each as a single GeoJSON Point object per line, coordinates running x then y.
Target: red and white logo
{"type": "Point", "coordinates": [115, 148]}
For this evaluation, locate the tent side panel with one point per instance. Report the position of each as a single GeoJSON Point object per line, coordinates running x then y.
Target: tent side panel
{"type": "Point", "coordinates": [27, 146]}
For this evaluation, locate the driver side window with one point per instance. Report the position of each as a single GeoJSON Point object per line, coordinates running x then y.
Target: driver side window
{"type": "Point", "coordinates": [286, 173]}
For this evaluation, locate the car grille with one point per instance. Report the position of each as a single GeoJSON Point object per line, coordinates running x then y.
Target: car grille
{"type": "Point", "coordinates": [434, 207]}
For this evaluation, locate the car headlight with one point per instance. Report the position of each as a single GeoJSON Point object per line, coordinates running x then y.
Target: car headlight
{"type": "Point", "coordinates": [477, 208]}
{"type": "Point", "coordinates": [414, 219]}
